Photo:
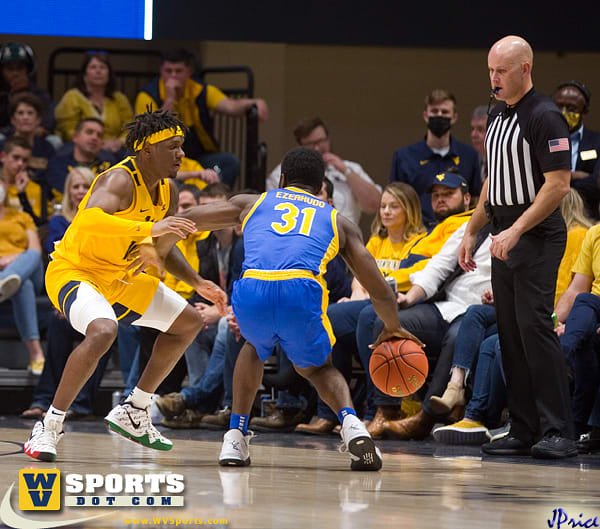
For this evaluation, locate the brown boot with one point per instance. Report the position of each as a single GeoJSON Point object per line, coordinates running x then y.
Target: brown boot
{"type": "Point", "coordinates": [279, 420]}
{"type": "Point", "coordinates": [383, 413]}
{"type": "Point", "coordinates": [187, 420]}
{"type": "Point", "coordinates": [415, 427]}
{"type": "Point", "coordinates": [457, 414]}
{"type": "Point", "coordinates": [219, 420]}
{"type": "Point", "coordinates": [453, 396]}
{"type": "Point", "coordinates": [171, 405]}
{"type": "Point", "coordinates": [318, 427]}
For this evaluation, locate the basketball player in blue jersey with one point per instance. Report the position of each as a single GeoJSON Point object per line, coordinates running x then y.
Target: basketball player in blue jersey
{"type": "Point", "coordinates": [289, 237]}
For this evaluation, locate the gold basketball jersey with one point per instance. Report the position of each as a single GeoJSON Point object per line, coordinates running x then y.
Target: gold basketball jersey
{"type": "Point", "coordinates": [108, 255]}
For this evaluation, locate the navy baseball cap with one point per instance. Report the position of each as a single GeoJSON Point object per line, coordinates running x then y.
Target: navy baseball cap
{"type": "Point", "coordinates": [451, 180]}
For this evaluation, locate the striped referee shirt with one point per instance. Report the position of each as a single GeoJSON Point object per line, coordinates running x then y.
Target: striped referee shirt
{"type": "Point", "coordinates": [523, 142]}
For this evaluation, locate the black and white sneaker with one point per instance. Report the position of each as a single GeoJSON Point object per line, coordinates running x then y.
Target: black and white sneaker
{"type": "Point", "coordinates": [358, 443]}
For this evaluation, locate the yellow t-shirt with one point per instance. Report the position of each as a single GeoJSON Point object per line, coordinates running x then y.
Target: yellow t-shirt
{"type": "Point", "coordinates": [575, 238]}
{"type": "Point", "coordinates": [388, 255]}
{"type": "Point", "coordinates": [188, 249]}
{"type": "Point", "coordinates": [13, 232]}
{"type": "Point", "coordinates": [75, 106]}
{"type": "Point", "coordinates": [588, 262]}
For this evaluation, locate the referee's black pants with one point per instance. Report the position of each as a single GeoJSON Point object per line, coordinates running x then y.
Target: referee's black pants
{"type": "Point", "coordinates": [535, 368]}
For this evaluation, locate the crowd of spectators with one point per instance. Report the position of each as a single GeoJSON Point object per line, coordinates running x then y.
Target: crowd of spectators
{"type": "Point", "coordinates": [50, 154]}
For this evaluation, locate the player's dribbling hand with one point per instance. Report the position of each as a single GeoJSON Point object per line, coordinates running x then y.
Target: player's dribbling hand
{"type": "Point", "coordinates": [208, 290]}
{"type": "Point", "coordinates": [177, 225]}
{"type": "Point", "coordinates": [145, 255]}
{"type": "Point", "coordinates": [401, 332]}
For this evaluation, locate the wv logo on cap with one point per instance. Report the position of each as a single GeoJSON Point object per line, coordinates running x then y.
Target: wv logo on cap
{"type": "Point", "coordinates": [39, 490]}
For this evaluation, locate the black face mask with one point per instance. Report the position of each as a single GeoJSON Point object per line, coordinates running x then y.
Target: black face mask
{"type": "Point", "coordinates": [438, 125]}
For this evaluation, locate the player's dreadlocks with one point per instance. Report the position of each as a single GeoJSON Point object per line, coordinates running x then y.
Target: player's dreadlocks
{"type": "Point", "coordinates": [150, 122]}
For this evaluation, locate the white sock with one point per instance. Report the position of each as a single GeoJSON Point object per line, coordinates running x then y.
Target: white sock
{"type": "Point", "coordinates": [139, 398]}
{"type": "Point", "coordinates": [54, 419]}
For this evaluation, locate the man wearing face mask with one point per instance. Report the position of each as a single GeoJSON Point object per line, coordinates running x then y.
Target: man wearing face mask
{"type": "Point", "coordinates": [418, 163]}
{"type": "Point", "coordinates": [573, 99]}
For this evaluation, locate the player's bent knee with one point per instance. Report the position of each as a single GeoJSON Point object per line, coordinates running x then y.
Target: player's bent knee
{"type": "Point", "coordinates": [102, 333]}
{"type": "Point", "coordinates": [188, 322]}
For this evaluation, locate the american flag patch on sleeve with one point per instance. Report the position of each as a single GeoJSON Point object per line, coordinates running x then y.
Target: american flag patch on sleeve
{"type": "Point", "coordinates": [559, 144]}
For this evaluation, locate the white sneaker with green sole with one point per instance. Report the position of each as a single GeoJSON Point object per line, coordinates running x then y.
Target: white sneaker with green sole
{"type": "Point", "coordinates": [135, 424]}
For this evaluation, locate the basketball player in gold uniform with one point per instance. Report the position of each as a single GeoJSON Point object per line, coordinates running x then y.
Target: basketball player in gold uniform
{"type": "Point", "coordinates": [94, 281]}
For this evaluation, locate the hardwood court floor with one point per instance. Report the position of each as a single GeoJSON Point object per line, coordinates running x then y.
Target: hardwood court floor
{"type": "Point", "coordinates": [303, 482]}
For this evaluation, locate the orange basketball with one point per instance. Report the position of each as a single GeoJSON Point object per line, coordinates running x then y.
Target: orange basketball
{"type": "Point", "coordinates": [398, 367]}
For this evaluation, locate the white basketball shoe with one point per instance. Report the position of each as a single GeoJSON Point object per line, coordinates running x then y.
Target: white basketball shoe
{"type": "Point", "coordinates": [235, 450]}
{"type": "Point", "coordinates": [135, 424]}
{"type": "Point", "coordinates": [41, 445]}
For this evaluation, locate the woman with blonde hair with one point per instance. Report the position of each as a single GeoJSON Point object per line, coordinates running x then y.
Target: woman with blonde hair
{"type": "Point", "coordinates": [77, 184]}
{"type": "Point", "coordinates": [397, 227]}
{"type": "Point", "coordinates": [572, 210]}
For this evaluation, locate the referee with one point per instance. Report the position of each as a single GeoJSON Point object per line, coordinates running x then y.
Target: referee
{"type": "Point", "coordinates": [529, 166]}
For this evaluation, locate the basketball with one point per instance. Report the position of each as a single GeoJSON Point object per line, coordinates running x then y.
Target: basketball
{"type": "Point", "coordinates": [398, 367]}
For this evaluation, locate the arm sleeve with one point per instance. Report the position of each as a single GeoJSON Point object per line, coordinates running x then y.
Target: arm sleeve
{"type": "Point", "coordinates": [440, 266]}
{"type": "Point", "coordinates": [68, 114]}
{"type": "Point", "coordinates": [97, 222]}
{"type": "Point", "coordinates": [547, 129]}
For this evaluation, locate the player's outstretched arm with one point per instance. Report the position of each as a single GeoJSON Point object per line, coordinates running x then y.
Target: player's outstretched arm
{"type": "Point", "coordinates": [113, 192]}
{"type": "Point", "coordinates": [365, 269]}
{"type": "Point", "coordinates": [210, 217]}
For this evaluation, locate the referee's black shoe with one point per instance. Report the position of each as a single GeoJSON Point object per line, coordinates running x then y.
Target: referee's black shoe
{"type": "Point", "coordinates": [553, 446]}
{"type": "Point", "coordinates": [506, 446]}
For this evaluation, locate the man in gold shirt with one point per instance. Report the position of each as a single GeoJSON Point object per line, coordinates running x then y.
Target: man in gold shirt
{"type": "Point", "coordinates": [177, 91]}
{"type": "Point", "coordinates": [92, 279]}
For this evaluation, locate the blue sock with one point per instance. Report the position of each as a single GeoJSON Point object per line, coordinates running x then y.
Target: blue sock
{"type": "Point", "coordinates": [345, 411]}
{"type": "Point", "coordinates": [240, 422]}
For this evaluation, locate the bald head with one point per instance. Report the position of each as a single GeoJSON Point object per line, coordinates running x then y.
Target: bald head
{"type": "Point", "coordinates": [514, 49]}
{"type": "Point", "coordinates": [510, 61]}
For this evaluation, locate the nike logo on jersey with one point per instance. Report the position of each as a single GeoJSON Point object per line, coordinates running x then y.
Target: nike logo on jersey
{"type": "Point", "coordinates": [144, 210]}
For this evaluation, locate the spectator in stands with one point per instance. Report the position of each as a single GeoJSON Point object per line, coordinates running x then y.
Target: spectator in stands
{"type": "Point", "coordinates": [23, 193]}
{"type": "Point", "coordinates": [95, 96]}
{"type": "Point", "coordinates": [478, 130]}
{"type": "Point", "coordinates": [17, 67]}
{"type": "Point", "coordinates": [354, 190]}
{"type": "Point", "coordinates": [438, 152]}
{"type": "Point", "coordinates": [61, 337]}
{"type": "Point", "coordinates": [21, 275]}
{"type": "Point", "coordinates": [84, 151]}
{"type": "Point", "coordinates": [433, 309]}
{"type": "Point", "coordinates": [573, 98]}
{"type": "Point", "coordinates": [25, 112]}
{"type": "Point", "coordinates": [176, 90]}
{"type": "Point", "coordinates": [578, 314]}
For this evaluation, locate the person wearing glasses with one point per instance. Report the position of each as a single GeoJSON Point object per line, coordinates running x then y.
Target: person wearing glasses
{"type": "Point", "coordinates": [354, 190]}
